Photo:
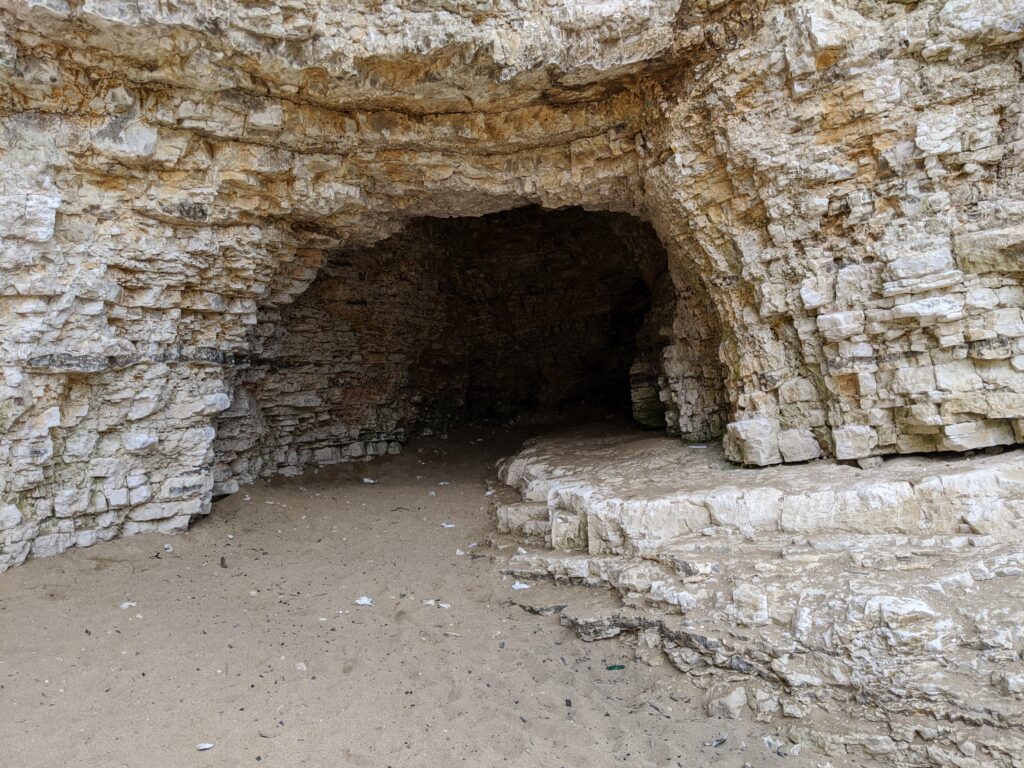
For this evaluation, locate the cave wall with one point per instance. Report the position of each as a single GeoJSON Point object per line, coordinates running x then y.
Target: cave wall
{"type": "Point", "coordinates": [526, 316]}
{"type": "Point", "coordinates": [841, 177]}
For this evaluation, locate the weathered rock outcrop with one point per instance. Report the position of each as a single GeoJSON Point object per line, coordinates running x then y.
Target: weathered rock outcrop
{"type": "Point", "coordinates": [837, 185]}
{"type": "Point", "coordinates": [869, 613]}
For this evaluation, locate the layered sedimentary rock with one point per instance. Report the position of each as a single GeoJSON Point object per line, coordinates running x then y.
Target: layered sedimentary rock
{"type": "Point", "coordinates": [514, 317]}
{"type": "Point", "coordinates": [836, 184]}
{"type": "Point", "coordinates": [872, 614]}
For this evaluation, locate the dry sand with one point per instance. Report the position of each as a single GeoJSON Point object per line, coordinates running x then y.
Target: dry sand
{"type": "Point", "coordinates": [246, 636]}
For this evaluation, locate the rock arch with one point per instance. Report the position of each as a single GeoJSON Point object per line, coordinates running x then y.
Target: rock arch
{"type": "Point", "coordinates": [520, 315]}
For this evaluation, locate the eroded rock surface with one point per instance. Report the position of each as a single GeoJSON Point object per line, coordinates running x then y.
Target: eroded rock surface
{"type": "Point", "coordinates": [836, 183]}
{"type": "Point", "coordinates": [877, 613]}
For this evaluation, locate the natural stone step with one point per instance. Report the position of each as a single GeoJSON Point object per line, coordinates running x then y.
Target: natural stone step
{"type": "Point", "coordinates": [633, 492]}
{"type": "Point", "coordinates": [914, 628]}
{"type": "Point", "coordinates": [513, 517]}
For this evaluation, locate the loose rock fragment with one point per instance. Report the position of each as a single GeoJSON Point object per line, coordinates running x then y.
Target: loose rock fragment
{"type": "Point", "coordinates": [730, 705]}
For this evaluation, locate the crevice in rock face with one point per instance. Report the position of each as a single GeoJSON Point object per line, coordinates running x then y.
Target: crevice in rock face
{"type": "Point", "coordinates": [527, 316]}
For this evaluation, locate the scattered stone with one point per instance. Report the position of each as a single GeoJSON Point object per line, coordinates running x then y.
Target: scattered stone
{"type": "Point", "coordinates": [731, 705]}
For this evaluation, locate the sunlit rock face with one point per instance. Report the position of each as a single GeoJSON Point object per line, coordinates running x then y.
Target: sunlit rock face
{"type": "Point", "coordinates": [836, 185]}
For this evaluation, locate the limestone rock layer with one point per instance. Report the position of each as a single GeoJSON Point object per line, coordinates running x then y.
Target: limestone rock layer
{"type": "Point", "coordinates": [836, 185]}
{"type": "Point", "coordinates": [874, 615]}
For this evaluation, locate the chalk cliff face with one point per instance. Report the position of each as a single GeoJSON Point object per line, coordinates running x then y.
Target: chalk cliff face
{"type": "Point", "coordinates": [837, 186]}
